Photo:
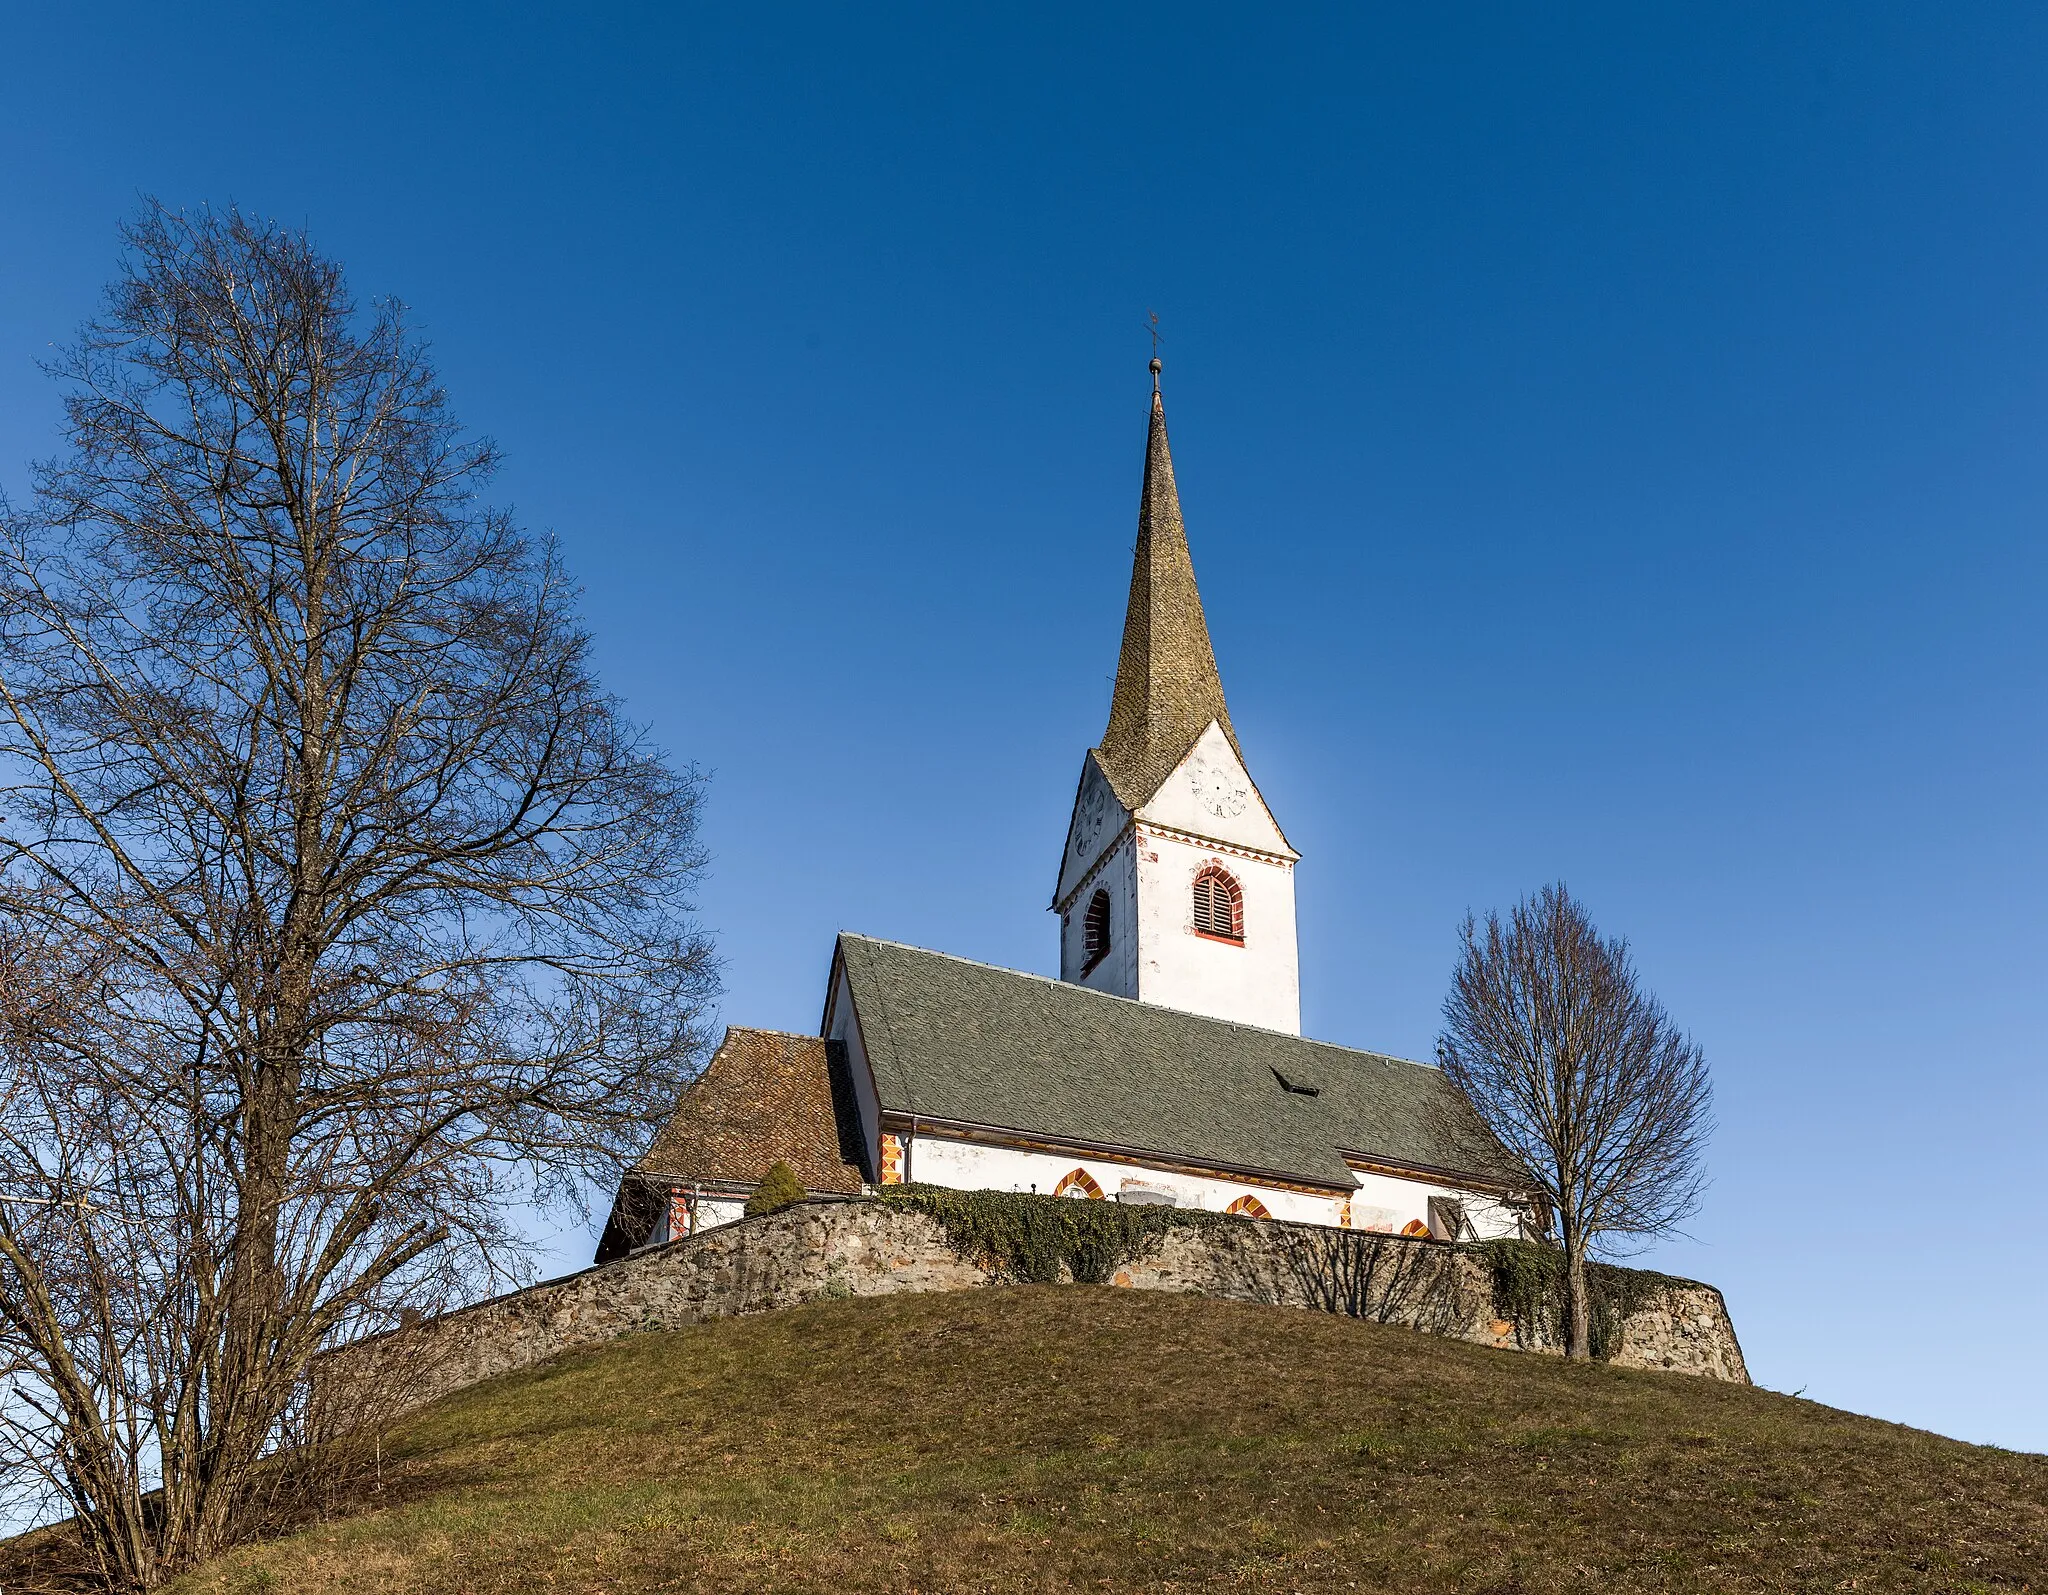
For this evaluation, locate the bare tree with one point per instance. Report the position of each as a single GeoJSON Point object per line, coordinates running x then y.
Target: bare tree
{"type": "Point", "coordinates": [1581, 1075]}
{"type": "Point", "coordinates": [339, 905]}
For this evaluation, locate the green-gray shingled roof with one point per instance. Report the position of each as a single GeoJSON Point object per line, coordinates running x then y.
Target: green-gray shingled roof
{"type": "Point", "coordinates": [954, 1040]}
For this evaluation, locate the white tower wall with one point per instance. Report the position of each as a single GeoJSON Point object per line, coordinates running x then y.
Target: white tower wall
{"type": "Point", "coordinates": [1117, 874]}
{"type": "Point", "coordinates": [1256, 982]}
{"type": "Point", "coordinates": [1206, 814]}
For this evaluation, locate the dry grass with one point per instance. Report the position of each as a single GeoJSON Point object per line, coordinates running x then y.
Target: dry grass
{"type": "Point", "coordinates": [1086, 1438]}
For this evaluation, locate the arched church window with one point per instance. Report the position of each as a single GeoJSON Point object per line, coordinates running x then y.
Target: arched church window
{"type": "Point", "coordinates": [1250, 1206]}
{"type": "Point", "coordinates": [1095, 932]}
{"type": "Point", "coordinates": [1219, 905]}
{"type": "Point", "coordinates": [1080, 1183]}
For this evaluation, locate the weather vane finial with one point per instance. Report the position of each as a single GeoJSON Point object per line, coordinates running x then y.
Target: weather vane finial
{"type": "Point", "coordinates": [1154, 330]}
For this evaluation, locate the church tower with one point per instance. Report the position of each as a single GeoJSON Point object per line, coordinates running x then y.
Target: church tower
{"type": "Point", "coordinates": [1176, 886]}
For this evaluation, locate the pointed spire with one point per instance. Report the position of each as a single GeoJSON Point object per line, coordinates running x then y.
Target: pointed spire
{"type": "Point", "coordinates": [1167, 688]}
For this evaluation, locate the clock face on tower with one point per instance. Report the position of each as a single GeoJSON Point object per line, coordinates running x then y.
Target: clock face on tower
{"type": "Point", "coordinates": [1218, 788]}
{"type": "Point", "coordinates": [1088, 823]}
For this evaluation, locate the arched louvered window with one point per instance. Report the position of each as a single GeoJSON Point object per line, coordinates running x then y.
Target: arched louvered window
{"type": "Point", "coordinates": [1219, 905]}
{"type": "Point", "coordinates": [1095, 932]}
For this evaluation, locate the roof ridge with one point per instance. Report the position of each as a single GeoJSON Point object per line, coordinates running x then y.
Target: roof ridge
{"type": "Point", "coordinates": [1152, 1007]}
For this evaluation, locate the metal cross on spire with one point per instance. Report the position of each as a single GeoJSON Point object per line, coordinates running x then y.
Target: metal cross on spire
{"type": "Point", "coordinates": [1153, 328]}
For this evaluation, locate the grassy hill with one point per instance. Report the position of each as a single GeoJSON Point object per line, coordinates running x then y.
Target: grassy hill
{"type": "Point", "coordinates": [1087, 1438]}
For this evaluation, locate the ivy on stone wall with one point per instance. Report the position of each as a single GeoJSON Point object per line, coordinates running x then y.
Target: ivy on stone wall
{"type": "Point", "coordinates": [1041, 1240]}
{"type": "Point", "coordinates": [1528, 1291]}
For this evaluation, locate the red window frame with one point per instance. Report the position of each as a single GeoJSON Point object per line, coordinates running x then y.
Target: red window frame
{"type": "Point", "coordinates": [1210, 880]}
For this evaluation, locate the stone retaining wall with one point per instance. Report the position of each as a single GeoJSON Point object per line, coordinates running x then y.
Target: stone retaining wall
{"type": "Point", "coordinates": [820, 1250]}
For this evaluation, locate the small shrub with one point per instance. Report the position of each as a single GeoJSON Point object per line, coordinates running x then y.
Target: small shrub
{"type": "Point", "coordinates": [779, 1188]}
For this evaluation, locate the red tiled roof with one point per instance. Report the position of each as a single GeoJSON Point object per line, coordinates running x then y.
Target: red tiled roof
{"type": "Point", "coordinates": [766, 1096]}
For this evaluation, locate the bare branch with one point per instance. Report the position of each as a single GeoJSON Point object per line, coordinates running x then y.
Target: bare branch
{"type": "Point", "coordinates": [1581, 1075]}
{"type": "Point", "coordinates": [338, 902]}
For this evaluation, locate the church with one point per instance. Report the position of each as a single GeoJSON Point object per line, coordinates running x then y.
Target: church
{"type": "Point", "coordinates": [1165, 1065]}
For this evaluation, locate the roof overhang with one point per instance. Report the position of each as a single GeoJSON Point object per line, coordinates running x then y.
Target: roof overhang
{"type": "Point", "coordinates": [1490, 1184]}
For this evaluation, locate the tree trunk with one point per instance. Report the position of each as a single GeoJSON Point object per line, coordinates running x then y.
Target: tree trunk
{"type": "Point", "coordinates": [1578, 1319]}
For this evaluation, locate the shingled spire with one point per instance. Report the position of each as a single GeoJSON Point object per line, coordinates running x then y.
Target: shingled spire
{"type": "Point", "coordinates": [1167, 688]}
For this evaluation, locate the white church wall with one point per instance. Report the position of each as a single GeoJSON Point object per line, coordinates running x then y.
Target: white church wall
{"type": "Point", "coordinates": [711, 1214]}
{"type": "Point", "coordinates": [972, 1166]}
{"type": "Point", "coordinates": [1388, 1203]}
{"type": "Point", "coordinates": [675, 1221]}
{"type": "Point", "coordinates": [1382, 1202]}
{"type": "Point", "coordinates": [1256, 983]}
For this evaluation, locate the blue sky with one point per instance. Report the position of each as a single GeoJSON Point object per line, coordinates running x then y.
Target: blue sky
{"type": "Point", "coordinates": [1611, 442]}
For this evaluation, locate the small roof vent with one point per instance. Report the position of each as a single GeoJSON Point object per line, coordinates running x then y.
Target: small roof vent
{"type": "Point", "coordinates": [1300, 1087]}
